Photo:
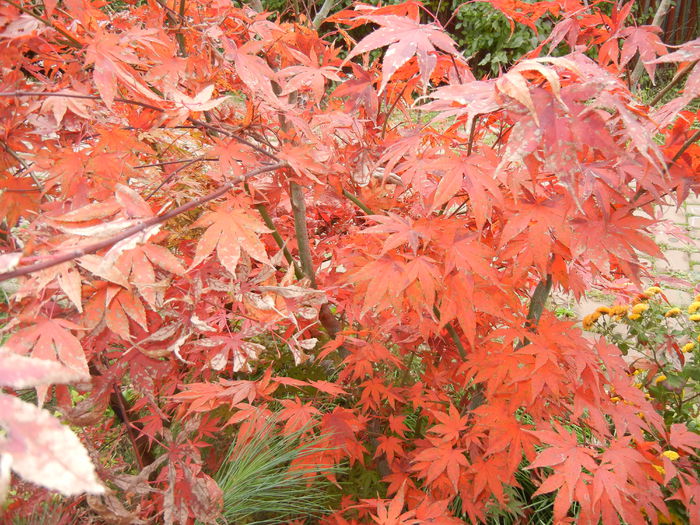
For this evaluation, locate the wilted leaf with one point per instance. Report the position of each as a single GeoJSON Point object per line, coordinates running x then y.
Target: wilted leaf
{"type": "Point", "coordinates": [44, 451]}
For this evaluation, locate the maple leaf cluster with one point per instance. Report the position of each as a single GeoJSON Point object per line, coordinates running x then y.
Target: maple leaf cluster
{"type": "Point", "coordinates": [213, 219]}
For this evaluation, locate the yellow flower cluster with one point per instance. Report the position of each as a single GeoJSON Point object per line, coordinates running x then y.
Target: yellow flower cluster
{"type": "Point", "coordinates": [673, 312]}
{"type": "Point", "coordinates": [588, 321]}
{"type": "Point", "coordinates": [615, 312]}
{"type": "Point", "coordinates": [619, 310]}
{"type": "Point", "coordinates": [637, 310]}
{"type": "Point", "coordinates": [638, 306]}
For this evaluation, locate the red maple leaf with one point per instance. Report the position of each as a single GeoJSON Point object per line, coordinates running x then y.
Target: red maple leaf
{"type": "Point", "coordinates": [230, 231]}
{"type": "Point", "coordinates": [406, 38]}
{"type": "Point", "coordinates": [432, 462]}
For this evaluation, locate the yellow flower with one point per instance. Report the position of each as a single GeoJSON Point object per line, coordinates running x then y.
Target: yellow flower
{"type": "Point", "coordinates": [634, 317]}
{"type": "Point", "coordinates": [694, 307]}
{"type": "Point", "coordinates": [659, 379]}
{"type": "Point", "coordinates": [697, 298]}
{"type": "Point", "coordinates": [672, 312]}
{"type": "Point", "coordinates": [652, 290]}
{"type": "Point", "coordinates": [637, 385]}
{"type": "Point", "coordinates": [660, 469]}
{"type": "Point", "coordinates": [688, 346]}
{"type": "Point", "coordinates": [619, 310]}
{"type": "Point", "coordinates": [694, 317]}
{"type": "Point", "coordinates": [615, 399]}
{"type": "Point", "coordinates": [636, 372]}
{"type": "Point", "coordinates": [589, 320]}
{"type": "Point", "coordinates": [603, 310]}
{"type": "Point", "coordinates": [647, 395]}
{"type": "Point", "coordinates": [671, 454]}
{"type": "Point", "coordinates": [639, 308]}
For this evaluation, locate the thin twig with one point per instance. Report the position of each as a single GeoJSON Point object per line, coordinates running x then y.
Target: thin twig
{"type": "Point", "coordinates": [641, 191]}
{"type": "Point", "coordinates": [267, 218]}
{"type": "Point", "coordinates": [168, 162]}
{"type": "Point", "coordinates": [73, 41]}
{"type": "Point", "coordinates": [391, 109]}
{"type": "Point", "coordinates": [676, 78]}
{"type": "Point", "coordinates": [472, 131]}
{"type": "Point", "coordinates": [194, 121]}
{"type": "Point", "coordinates": [358, 202]}
{"type": "Point", "coordinates": [692, 140]}
{"type": "Point", "coordinates": [22, 163]}
{"type": "Point", "coordinates": [75, 95]}
{"type": "Point", "coordinates": [170, 11]}
{"type": "Point", "coordinates": [169, 177]}
{"type": "Point", "coordinates": [136, 228]}
{"type": "Point", "coordinates": [454, 64]}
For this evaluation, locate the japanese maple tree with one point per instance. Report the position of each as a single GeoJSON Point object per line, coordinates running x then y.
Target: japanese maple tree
{"type": "Point", "coordinates": [213, 218]}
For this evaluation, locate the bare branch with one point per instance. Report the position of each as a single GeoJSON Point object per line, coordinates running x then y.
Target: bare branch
{"type": "Point", "coordinates": [322, 13]}
{"type": "Point", "coordinates": [692, 140]}
{"type": "Point", "coordinates": [301, 231]}
{"type": "Point", "coordinates": [136, 228]}
{"type": "Point", "coordinates": [194, 121]}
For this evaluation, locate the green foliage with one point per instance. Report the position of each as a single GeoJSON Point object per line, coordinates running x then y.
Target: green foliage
{"type": "Point", "coordinates": [260, 487]}
{"type": "Point", "coordinates": [484, 34]}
